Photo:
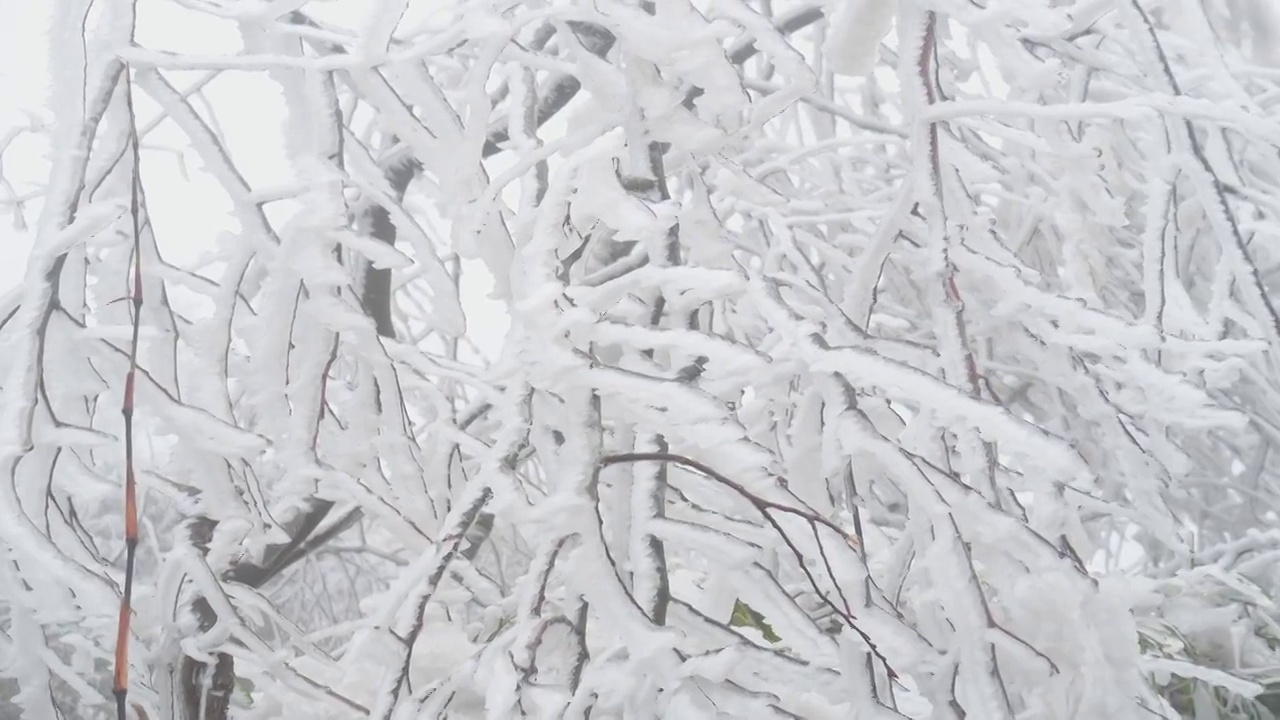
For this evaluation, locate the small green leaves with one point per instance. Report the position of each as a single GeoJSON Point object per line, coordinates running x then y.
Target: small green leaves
{"type": "Point", "coordinates": [746, 616]}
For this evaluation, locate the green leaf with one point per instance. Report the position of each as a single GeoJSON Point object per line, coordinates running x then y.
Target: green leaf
{"type": "Point", "coordinates": [246, 688]}
{"type": "Point", "coordinates": [746, 616]}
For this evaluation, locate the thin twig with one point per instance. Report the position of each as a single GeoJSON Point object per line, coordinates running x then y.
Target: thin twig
{"type": "Point", "coordinates": [120, 684]}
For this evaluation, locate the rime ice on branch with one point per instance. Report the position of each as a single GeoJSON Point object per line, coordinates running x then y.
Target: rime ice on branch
{"type": "Point", "coordinates": [656, 359]}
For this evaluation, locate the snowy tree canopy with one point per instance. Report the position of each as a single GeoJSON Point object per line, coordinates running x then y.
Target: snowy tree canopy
{"type": "Point", "coordinates": [644, 359]}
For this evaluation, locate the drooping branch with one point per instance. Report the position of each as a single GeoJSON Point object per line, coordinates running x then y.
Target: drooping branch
{"type": "Point", "coordinates": [766, 507]}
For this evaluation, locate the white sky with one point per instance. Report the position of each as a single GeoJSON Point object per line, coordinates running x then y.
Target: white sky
{"type": "Point", "coordinates": [189, 209]}
{"type": "Point", "coordinates": [23, 86]}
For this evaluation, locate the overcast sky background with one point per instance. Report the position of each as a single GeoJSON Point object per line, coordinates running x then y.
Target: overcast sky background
{"type": "Point", "coordinates": [189, 209]}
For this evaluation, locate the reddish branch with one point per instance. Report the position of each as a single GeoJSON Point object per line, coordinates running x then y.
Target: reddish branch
{"type": "Point", "coordinates": [926, 66]}
{"type": "Point", "coordinates": [120, 683]}
{"type": "Point", "coordinates": [972, 382]}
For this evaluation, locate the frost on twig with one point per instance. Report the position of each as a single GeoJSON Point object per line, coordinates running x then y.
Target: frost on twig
{"type": "Point", "coordinates": [594, 359]}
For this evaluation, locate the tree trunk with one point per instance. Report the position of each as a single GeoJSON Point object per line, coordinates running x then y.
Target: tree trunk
{"type": "Point", "coordinates": [206, 691]}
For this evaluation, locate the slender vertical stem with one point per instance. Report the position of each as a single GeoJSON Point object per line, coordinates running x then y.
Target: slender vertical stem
{"type": "Point", "coordinates": [120, 684]}
{"type": "Point", "coordinates": [959, 360]}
